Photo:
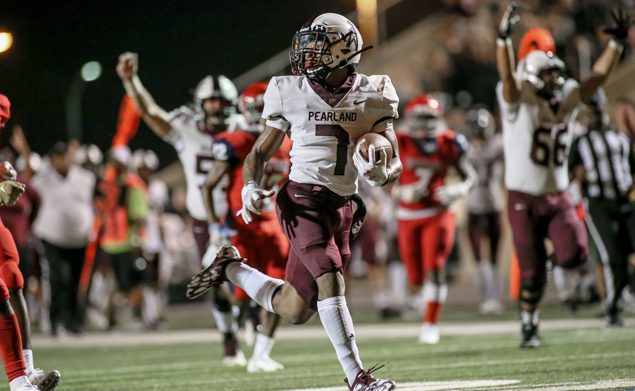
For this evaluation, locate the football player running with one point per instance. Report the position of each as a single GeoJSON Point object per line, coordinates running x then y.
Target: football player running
{"type": "Point", "coordinates": [324, 109]}
{"type": "Point", "coordinates": [536, 107]}
{"type": "Point", "coordinates": [262, 242]}
{"type": "Point", "coordinates": [485, 202]}
{"type": "Point", "coordinates": [11, 346]}
{"type": "Point", "coordinates": [425, 224]}
{"type": "Point", "coordinates": [191, 131]}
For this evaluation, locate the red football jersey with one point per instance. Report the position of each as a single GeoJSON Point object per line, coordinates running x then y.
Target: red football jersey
{"type": "Point", "coordinates": [233, 147]}
{"type": "Point", "coordinates": [427, 162]}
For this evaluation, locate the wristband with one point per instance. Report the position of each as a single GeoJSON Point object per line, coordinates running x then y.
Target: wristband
{"type": "Point", "coordinates": [614, 44]}
{"type": "Point", "coordinates": [503, 42]}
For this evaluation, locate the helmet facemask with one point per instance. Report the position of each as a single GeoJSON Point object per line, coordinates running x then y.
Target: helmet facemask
{"type": "Point", "coordinates": [318, 49]}
{"type": "Point", "coordinates": [215, 98]}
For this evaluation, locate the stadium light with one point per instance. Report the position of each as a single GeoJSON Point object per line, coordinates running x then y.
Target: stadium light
{"type": "Point", "coordinates": [87, 73]}
{"type": "Point", "coordinates": [367, 21]}
{"type": "Point", "coordinates": [91, 71]}
{"type": "Point", "coordinates": [6, 41]}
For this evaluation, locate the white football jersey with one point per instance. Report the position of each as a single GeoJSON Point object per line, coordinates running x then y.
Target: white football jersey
{"type": "Point", "coordinates": [324, 126]}
{"type": "Point", "coordinates": [194, 148]}
{"type": "Point", "coordinates": [536, 141]}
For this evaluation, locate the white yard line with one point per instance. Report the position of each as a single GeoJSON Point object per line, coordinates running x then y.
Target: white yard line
{"type": "Point", "coordinates": [497, 384]}
{"type": "Point", "coordinates": [364, 331]}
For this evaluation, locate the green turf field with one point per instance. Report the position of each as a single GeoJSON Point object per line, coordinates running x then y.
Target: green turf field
{"type": "Point", "coordinates": [568, 360]}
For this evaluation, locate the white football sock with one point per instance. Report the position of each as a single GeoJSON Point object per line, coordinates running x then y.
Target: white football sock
{"type": "Point", "coordinates": [260, 287]}
{"type": "Point", "coordinates": [488, 280]}
{"type": "Point", "coordinates": [434, 292]}
{"type": "Point", "coordinates": [339, 327]}
{"type": "Point", "coordinates": [224, 321]}
{"type": "Point", "coordinates": [150, 307]}
{"type": "Point", "coordinates": [28, 359]}
{"type": "Point", "coordinates": [263, 345]}
{"type": "Point", "coordinates": [19, 382]}
{"type": "Point", "coordinates": [529, 317]}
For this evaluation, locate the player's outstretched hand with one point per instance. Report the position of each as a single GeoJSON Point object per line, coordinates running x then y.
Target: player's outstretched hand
{"type": "Point", "coordinates": [253, 196]}
{"type": "Point", "coordinates": [623, 23]}
{"type": "Point", "coordinates": [509, 20]}
{"type": "Point", "coordinates": [127, 66]}
{"type": "Point", "coordinates": [374, 171]}
{"type": "Point", "coordinates": [10, 192]}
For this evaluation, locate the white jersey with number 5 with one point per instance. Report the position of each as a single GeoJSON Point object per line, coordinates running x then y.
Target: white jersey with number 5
{"type": "Point", "coordinates": [194, 148]}
{"type": "Point", "coordinates": [536, 140]}
{"type": "Point", "coordinates": [324, 125]}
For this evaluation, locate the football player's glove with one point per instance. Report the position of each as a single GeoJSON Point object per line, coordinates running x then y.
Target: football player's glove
{"type": "Point", "coordinates": [622, 25]}
{"type": "Point", "coordinates": [10, 192]}
{"type": "Point", "coordinates": [509, 20]}
{"type": "Point", "coordinates": [7, 171]}
{"type": "Point", "coordinates": [375, 172]}
{"type": "Point", "coordinates": [448, 194]}
{"type": "Point", "coordinates": [411, 193]}
{"type": "Point", "coordinates": [252, 196]}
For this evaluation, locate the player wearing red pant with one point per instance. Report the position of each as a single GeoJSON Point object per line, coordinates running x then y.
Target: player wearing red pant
{"type": "Point", "coordinates": [425, 230]}
{"type": "Point", "coordinates": [10, 337]}
{"type": "Point", "coordinates": [262, 243]}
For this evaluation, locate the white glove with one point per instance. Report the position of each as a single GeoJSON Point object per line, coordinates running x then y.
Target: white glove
{"type": "Point", "coordinates": [448, 194]}
{"type": "Point", "coordinates": [410, 194]}
{"type": "Point", "coordinates": [375, 172]}
{"type": "Point", "coordinates": [7, 172]}
{"type": "Point", "coordinates": [252, 196]}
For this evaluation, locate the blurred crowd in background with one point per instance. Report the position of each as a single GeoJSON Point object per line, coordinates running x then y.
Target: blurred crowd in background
{"type": "Point", "coordinates": [73, 283]}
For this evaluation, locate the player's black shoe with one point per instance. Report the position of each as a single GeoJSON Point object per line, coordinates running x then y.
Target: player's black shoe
{"type": "Point", "coordinates": [530, 340]}
{"type": "Point", "coordinates": [214, 274]}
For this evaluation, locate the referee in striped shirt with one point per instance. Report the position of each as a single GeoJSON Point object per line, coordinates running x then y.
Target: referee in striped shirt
{"type": "Point", "coordinates": [602, 160]}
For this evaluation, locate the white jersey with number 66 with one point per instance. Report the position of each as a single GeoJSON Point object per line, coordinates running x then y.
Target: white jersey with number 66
{"type": "Point", "coordinates": [536, 139]}
{"type": "Point", "coordinates": [324, 125]}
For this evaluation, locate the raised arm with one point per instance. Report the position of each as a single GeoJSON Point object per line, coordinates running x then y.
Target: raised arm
{"type": "Point", "coordinates": [153, 115]}
{"type": "Point", "coordinates": [505, 60]}
{"type": "Point", "coordinates": [605, 63]}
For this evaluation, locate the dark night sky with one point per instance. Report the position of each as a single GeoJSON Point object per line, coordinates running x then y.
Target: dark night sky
{"type": "Point", "coordinates": [178, 43]}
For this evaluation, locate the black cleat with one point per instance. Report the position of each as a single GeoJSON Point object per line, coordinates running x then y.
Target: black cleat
{"type": "Point", "coordinates": [531, 340]}
{"type": "Point", "coordinates": [213, 275]}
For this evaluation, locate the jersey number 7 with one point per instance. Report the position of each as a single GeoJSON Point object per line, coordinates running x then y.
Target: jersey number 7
{"type": "Point", "coordinates": [342, 144]}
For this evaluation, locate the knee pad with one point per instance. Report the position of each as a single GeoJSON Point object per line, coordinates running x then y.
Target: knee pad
{"type": "Point", "coordinates": [220, 300]}
{"type": "Point", "coordinates": [11, 275]}
{"type": "Point", "coordinates": [531, 293]}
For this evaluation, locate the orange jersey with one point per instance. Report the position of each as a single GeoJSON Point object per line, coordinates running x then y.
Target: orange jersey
{"type": "Point", "coordinates": [426, 162]}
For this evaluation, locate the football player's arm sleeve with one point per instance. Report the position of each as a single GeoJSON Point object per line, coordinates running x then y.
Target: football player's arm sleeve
{"type": "Point", "coordinates": [466, 171]}
{"type": "Point", "coordinates": [152, 114]}
{"type": "Point", "coordinates": [213, 178]}
{"type": "Point", "coordinates": [505, 63]}
{"type": "Point", "coordinates": [384, 126]}
{"type": "Point", "coordinates": [273, 112]}
{"type": "Point", "coordinates": [266, 145]}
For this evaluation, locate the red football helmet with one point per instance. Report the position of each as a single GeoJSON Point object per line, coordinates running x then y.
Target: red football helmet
{"type": "Point", "coordinates": [252, 102]}
{"type": "Point", "coordinates": [536, 38]}
{"type": "Point", "coordinates": [5, 110]}
{"type": "Point", "coordinates": [423, 113]}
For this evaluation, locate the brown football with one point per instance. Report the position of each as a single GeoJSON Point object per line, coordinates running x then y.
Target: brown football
{"type": "Point", "coordinates": [380, 142]}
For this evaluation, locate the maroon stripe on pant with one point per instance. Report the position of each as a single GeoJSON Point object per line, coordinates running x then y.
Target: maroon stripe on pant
{"type": "Point", "coordinates": [317, 223]}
